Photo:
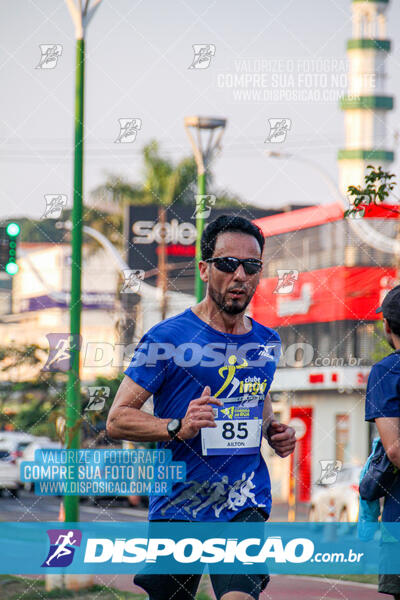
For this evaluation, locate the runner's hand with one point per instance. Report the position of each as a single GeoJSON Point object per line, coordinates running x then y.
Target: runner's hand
{"type": "Point", "coordinates": [281, 438]}
{"type": "Point", "coordinates": [198, 415]}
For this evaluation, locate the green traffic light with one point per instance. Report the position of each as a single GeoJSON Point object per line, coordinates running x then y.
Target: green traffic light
{"type": "Point", "coordinates": [11, 268]}
{"type": "Point", "coordinates": [13, 229]}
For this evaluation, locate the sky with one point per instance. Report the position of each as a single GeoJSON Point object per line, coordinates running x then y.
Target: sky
{"type": "Point", "coordinates": [139, 55]}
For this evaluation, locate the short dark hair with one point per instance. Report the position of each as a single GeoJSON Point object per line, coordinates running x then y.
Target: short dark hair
{"type": "Point", "coordinates": [226, 223]}
{"type": "Point", "coordinates": [394, 327]}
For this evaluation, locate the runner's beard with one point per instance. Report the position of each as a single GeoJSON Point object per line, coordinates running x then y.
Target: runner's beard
{"type": "Point", "coordinates": [232, 306]}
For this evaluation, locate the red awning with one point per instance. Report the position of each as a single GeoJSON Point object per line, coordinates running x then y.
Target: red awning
{"type": "Point", "coordinates": [318, 215]}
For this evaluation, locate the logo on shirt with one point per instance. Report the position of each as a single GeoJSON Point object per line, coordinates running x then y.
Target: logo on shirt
{"type": "Point", "coordinates": [230, 378]}
{"type": "Point", "coordinates": [228, 412]}
{"type": "Point", "coordinates": [216, 496]}
{"type": "Point", "coordinates": [247, 385]}
{"type": "Point", "coordinates": [266, 350]}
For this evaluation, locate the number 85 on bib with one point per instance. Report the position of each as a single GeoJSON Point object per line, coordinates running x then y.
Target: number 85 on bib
{"type": "Point", "coordinates": [240, 434]}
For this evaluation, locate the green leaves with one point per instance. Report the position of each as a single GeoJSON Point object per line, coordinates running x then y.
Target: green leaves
{"type": "Point", "coordinates": [378, 187]}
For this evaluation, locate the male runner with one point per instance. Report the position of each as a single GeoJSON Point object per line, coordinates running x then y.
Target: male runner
{"type": "Point", "coordinates": [211, 402]}
{"type": "Point", "coordinates": [382, 406]}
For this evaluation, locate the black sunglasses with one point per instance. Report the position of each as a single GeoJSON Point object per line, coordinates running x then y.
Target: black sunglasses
{"type": "Point", "coordinates": [229, 264]}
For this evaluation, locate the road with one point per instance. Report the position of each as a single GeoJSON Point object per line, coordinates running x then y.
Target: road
{"type": "Point", "coordinates": [281, 587]}
{"type": "Point", "coordinates": [29, 507]}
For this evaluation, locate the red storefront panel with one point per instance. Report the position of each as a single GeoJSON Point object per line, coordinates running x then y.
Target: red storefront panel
{"type": "Point", "coordinates": [300, 460]}
{"type": "Point", "coordinates": [332, 294]}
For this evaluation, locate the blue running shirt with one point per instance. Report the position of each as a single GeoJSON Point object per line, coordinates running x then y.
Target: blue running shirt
{"type": "Point", "coordinates": [382, 400]}
{"type": "Point", "coordinates": [225, 472]}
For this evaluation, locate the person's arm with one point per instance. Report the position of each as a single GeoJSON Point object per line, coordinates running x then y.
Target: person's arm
{"type": "Point", "coordinates": [389, 432]}
{"type": "Point", "coordinates": [268, 414]}
{"type": "Point", "coordinates": [127, 422]}
{"type": "Point", "coordinates": [279, 436]}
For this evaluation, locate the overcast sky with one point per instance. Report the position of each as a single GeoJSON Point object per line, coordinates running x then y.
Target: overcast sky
{"type": "Point", "coordinates": [138, 58]}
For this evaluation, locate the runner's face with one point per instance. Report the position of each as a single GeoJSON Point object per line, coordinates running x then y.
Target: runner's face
{"type": "Point", "coordinates": [232, 292]}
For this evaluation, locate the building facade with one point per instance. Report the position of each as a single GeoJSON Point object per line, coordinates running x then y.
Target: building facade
{"type": "Point", "coordinates": [40, 306]}
{"type": "Point", "coordinates": [319, 289]}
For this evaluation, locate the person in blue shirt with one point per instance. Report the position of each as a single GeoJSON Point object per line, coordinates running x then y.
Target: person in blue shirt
{"type": "Point", "coordinates": [383, 406]}
{"type": "Point", "coordinates": [209, 370]}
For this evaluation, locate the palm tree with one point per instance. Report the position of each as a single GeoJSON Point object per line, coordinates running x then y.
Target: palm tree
{"type": "Point", "coordinates": [166, 184]}
{"type": "Point", "coordinates": [163, 182]}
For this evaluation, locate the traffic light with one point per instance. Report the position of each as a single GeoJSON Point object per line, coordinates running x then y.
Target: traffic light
{"type": "Point", "coordinates": [8, 248]}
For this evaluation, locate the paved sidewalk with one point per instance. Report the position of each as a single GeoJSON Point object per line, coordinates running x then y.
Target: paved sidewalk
{"type": "Point", "coordinates": [281, 587]}
{"type": "Point", "coordinates": [280, 511]}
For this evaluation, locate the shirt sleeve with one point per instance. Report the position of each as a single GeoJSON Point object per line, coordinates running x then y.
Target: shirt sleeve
{"type": "Point", "coordinates": [382, 398]}
{"type": "Point", "coordinates": [149, 364]}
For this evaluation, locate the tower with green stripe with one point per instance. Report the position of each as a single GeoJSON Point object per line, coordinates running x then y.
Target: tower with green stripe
{"type": "Point", "coordinates": [366, 103]}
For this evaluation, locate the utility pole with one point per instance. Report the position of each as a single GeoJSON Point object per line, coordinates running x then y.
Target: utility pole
{"type": "Point", "coordinates": [203, 153]}
{"type": "Point", "coordinates": [81, 13]}
{"type": "Point", "coordinates": [162, 262]}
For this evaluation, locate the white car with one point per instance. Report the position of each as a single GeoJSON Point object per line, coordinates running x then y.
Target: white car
{"type": "Point", "coordinates": [9, 479]}
{"type": "Point", "coordinates": [337, 501]}
{"type": "Point", "coordinates": [15, 442]}
{"type": "Point", "coordinates": [28, 454]}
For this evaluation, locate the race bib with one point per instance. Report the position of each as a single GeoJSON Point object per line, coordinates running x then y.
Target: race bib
{"type": "Point", "coordinates": [238, 430]}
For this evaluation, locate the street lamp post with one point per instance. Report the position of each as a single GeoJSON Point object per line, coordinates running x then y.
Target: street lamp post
{"type": "Point", "coordinates": [81, 13]}
{"type": "Point", "coordinates": [203, 153]}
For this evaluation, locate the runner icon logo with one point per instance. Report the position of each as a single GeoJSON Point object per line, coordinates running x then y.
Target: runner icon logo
{"type": "Point", "coordinates": [97, 397]}
{"type": "Point", "coordinates": [286, 281]}
{"type": "Point", "coordinates": [62, 547]}
{"type": "Point", "coordinates": [55, 203]}
{"type": "Point", "coordinates": [50, 53]}
{"type": "Point", "coordinates": [204, 202]}
{"type": "Point", "coordinates": [203, 54]}
{"type": "Point", "coordinates": [329, 471]}
{"type": "Point", "coordinates": [61, 345]}
{"type": "Point", "coordinates": [128, 129]}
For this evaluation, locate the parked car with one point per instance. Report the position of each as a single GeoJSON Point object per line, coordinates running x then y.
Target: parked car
{"type": "Point", "coordinates": [337, 501]}
{"type": "Point", "coordinates": [28, 454]}
{"type": "Point", "coordinates": [8, 473]}
{"type": "Point", "coordinates": [15, 443]}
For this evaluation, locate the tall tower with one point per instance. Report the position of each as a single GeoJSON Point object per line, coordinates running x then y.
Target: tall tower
{"type": "Point", "coordinates": [365, 106]}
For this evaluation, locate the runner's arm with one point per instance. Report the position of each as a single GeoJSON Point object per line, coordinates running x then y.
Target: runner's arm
{"type": "Point", "coordinates": [281, 437]}
{"type": "Point", "coordinates": [127, 422]}
{"type": "Point", "coordinates": [389, 432]}
{"type": "Point", "coordinates": [268, 414]}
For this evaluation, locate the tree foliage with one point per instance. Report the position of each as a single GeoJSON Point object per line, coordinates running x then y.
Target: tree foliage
{"type": "Point", "coordinates": [378, 187]}
{"type": "Point", "coordinates": [163, 182]}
